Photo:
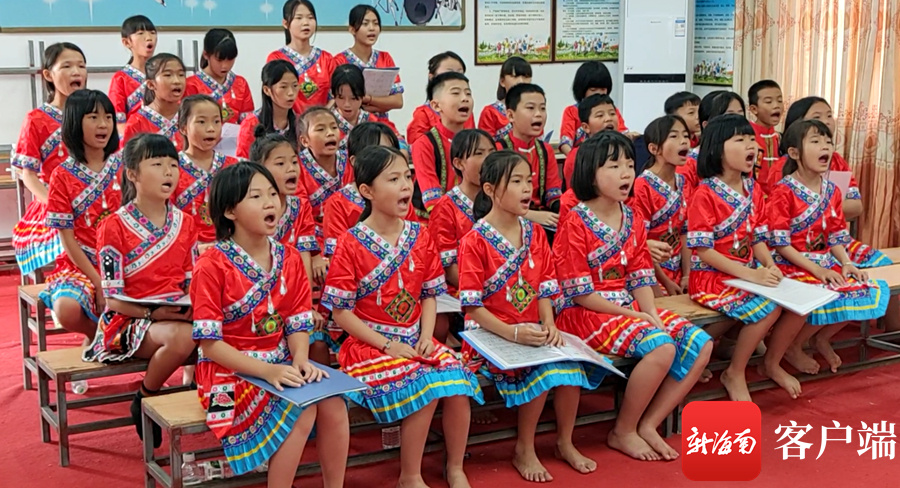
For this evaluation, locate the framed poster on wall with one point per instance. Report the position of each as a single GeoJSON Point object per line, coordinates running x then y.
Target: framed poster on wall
{"type": "Point", "coordinates": [522, 28]}
{"type": "Point", "coordinates": [107, 15]}
{"type": "Point", "coordinates": [586, 30]}
{"type": "Point", "coordinates": [714, 42]}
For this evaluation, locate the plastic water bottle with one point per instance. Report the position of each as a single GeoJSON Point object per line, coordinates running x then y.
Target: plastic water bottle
{"type": "Point", "coordinates": [79, 387]}
{"type": "Point", "coordinates": [390, 437]}
{"type": "Point", "coordinates": [191, 472]}
{"type": "Point", "coordinates": [218, 469]}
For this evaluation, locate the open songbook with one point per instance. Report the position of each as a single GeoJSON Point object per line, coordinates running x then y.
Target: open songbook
{"type": "Point", "coordinates": [336, 384]}
{"type": "Point", "coordinates": [509, 355]}
{"type": "Point", "coordinates": [800, 298]}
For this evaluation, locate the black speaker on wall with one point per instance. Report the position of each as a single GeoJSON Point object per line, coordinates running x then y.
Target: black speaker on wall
{"type": "Point", "coordinates": [420, 12]}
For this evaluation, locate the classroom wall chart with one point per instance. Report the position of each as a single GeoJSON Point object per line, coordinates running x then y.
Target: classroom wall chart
{"type": "Point", "coordinates": [544, 31]}
{"type": "Point", "coordinates": [714, 42]}
{"type": "Point", "coordinates": [84, 15]}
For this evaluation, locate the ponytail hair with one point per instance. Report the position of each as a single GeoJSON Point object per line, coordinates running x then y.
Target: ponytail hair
{"type": "Point", "coordinates": [272, 73]}
{"type": "Point", "coordinates": [219, 43]}
{"type": "Point", "coordinates": [371, 162]}
{"type": "Point", "coordinates": [139, 148]}
{"type": "Point", "coordinates": [155, 65]}
{"type": "Point", "coordinates": [793, 137]}
{"type": "Point", "coordinates": [51, 56]}
{"type": "Point", "coordinates": [514, 66]}
{"type": "Point", "coordinates": [496, 170]}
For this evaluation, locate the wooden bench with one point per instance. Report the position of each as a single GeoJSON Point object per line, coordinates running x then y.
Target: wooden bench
{"type": "Point", "coordinates": [36, 323]}
{"type": "Point", "coordinates": [63, 366]}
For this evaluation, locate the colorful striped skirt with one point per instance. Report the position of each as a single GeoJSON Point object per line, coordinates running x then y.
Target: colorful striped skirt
{"type": "Point", "coordinates": [632, 338]}
{"type": "Point", "coordinates": [35, 244]}
{"type": "Point", "coordinates": [400, 387]}
{"type": "Point", "coordinates": [866, 256]}
{"type": "Point", "coordinates": [708, 289]}
{"type": "Point", "coordinates": [856, 301]}
{"type": "Point", "coordinates": [73, 284]}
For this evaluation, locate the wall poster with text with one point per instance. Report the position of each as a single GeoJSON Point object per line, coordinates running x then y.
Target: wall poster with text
{"type": "Point", "coordinates": [714, 42]}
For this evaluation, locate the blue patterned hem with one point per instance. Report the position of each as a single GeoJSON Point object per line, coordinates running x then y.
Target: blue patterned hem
{"type": "Point", "coordinates": [874, 259]}
{"type": "Point", "coordinates": [688, 343]}
{"type": "Point", "coordinates": [31, 257]}
{"type": "Point", "coordinates": [66, 289]}
{"type": "Point", "coordinates": [530, 383]}
{"type": "Point", "coordinates": [750, 310]}
{"type": "Point", "coordinates": [260, 447]}
{"type": "Point", "coordinates": [322, 336]}
{"type": "Point", "coordinates": [432, 385]}
{"type": "Point", "coordinates": [855, 306]}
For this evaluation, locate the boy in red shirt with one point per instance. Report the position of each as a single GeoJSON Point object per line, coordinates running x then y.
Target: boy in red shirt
{"type": "Point", "coordinates": [526, 109]}
{"type": "Point", "coordinates": [596, 113]}
{"type": "Point", "coordinates": [452, 99]}
{"type": "Point", "coordinates": [767, 105]}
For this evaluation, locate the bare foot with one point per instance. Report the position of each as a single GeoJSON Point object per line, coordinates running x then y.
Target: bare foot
{"type": "Point", "coordinates": [411, 482]}
{"type": "Point", "coordinates": [633, 445]}
{"type": "Point", "coordinates": [705, 376]}
{"type": "Point", "coordinates": [484, 417]}
{"type": "Point", "coordinates": [578, 461]}
{"type": "Point", "coordinates": [736, 385]}
{"type": "Point", "coordinates": [530, 467]}
{"type": "Point", "coordinates": [653, 439]}
{"type": "Point", "coordinates": [801, 361]}
{"type": "Point", "coordinates": [359, 415]}
{"type": "Point", "coordinates": [824, 348]}
{"type": "Point", "coordinates": [456, 478]}
{"type": "Point", "coordinates": [782, 377]}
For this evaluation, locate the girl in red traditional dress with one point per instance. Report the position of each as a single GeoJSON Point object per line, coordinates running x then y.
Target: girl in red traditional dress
{"type": "Point", "coordinates": [425, 117]}
{"type": "Point", "coordinates": [279, 91]}
{"type": "Point", "coordinates": [84, 190]}
{"type": "Point", "coordinates": [660, 199]}
{"type": "Point", "coordinates": [147, 253]}
{"type": "Point", "coordinates": [200, 124]}
{"type": "Point", "coordinates": [365, 26]}
{"type": "Point", "coordinates": [808, 230]}
{"type": "Point", "coordinates": [507, 281]}
{"type": "Point", "coordinates": [253, 315]}
{"type": "Point", "coordinates": [348, 87]}
{"type": "Point", "coordinates": [162, 99]}
{"type": "Point", "coordinates": [727, 235]}
{"type": "Point", "coordinates": [381, 288]}
{"type": "Point", "coordinates": [216, 79]}
{"type": "Point", "coordinates": [607, 277]}
{"type": "Point", "coordinates": [40, 149]}
{"type": "Point", "coordinates": [493, 118]}
{"type": "Point", "coordinates": [314, 66]}
{"type": "Point", "coordinates": [127, 87]}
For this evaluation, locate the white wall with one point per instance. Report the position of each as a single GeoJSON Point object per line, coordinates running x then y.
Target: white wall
{"type": "Point", "coordinates": [410, 50]}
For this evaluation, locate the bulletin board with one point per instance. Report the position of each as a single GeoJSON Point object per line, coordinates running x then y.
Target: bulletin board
{"type": "Point", "coordinates": [107, 15]}
{"type": "Point", "coordinates": [546, 31]}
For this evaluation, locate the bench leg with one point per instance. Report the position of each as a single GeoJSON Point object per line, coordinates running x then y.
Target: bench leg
{"type": "Point", "coordinates": [24, 313]}
{"type": "Point", "coordinates": [44, 402]}
{"type": "Point", "coordinates": [63, 414]}
{"type": "Point", "coordinates": [41, 318]}
{"type": "Point", "coordinates": [175, 457]}
{"type": "Point", "coordinates": [149, 480]}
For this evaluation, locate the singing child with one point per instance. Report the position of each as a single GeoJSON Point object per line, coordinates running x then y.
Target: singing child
{"type": "Point", "coordinates": [216, 78]}
{"type": "Point", "coordinates": [507, 281]}
{"type": "Point", "coordinates": [381, 288]}
{"type": "Point", "coordinates": [162, 99]}
{"type": "Point", "coordinates": [493, 119]}
{"type": "Point", "coordinates": [592, 78]}
{"type": "Point", "coordinates": [200, 124]}
{"type": "Point", "coordinates": [314, 66]}
{"type": "Point", "coordinates": [686, 105]}
{"type": "Point", "coordinates": [809, 232]}
{"type": "Point", "coordinates": [596, 113]}
{"type": "Point", "coordinates": [425, 117]}
{"type": "Point", "coordinates": [727, 236]}
{"type": "Point", "coordinates": [348, 88]}
{"type": "Point", "coordinates": [253, 315]}
{"type": "Point", "coordinates": [607, 278]}
{"type": "Point", "coordinates": [766, 104]}
{"type": "Point", "coordinates": [279, 91]}
{"type": "Point", "coordinates": [136, 277]}
{"type": "Point", "coordinates": [40, 150]}
{"type": "Point", "coordinates": [128, 85]}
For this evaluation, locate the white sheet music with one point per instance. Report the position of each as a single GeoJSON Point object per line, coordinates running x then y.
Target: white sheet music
{"type": "Point", "coordinates": [448, 304]}
{"type": "Point", "coordinates": [228, 144]}
{"type": "Point", "coordinates": [509, 355]}
{"type": "Point", "coordinates": [800, 298]}
{"type": "Point", "coordinates": [379, 81]}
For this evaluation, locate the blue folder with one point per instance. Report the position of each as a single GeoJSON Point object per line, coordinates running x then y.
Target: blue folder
{"type": "Point", "coordinates": [338, 383]}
